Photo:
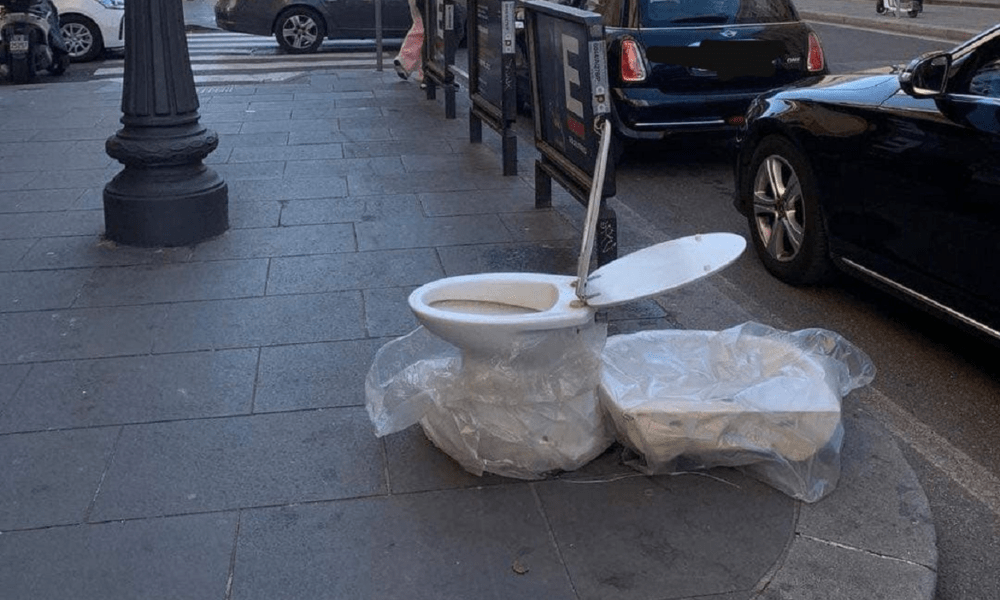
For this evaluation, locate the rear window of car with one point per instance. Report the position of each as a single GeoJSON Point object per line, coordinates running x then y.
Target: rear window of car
{"type": "Point", "coordinates": [699, 13]}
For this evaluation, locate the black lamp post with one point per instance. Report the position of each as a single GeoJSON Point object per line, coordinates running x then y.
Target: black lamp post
{"type": "Point", "coordinates": [165, 195]}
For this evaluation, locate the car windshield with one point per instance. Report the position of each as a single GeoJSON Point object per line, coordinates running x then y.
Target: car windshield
{"type": "Point", "coordinates": [698, 13]}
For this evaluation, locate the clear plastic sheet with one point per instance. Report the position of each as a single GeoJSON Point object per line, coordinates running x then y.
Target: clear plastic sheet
{"type": "Point", "coordinates": [753, 397]}
{"type": "Point", "coordinates": [524, 414]}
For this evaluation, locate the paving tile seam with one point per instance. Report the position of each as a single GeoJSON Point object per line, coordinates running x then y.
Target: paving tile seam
{"type": "Point", "coordinates": [772, 573]}
{"type": "Point", "coordinates": [192, 301]}
{"type": "Point", "coordinates": [200, 350]}
{"type": "Point", "coordinates": [551, 534]}
{"type": "Point", "coordinates": [256, 507]}
{"type": "Point", "coordinates": [192, 258]}
{"type": "Point", "coordinates": [104, 473]}
{"type": "Point", "coordinates": [133, 424]}
{"type": "Point", "coordinates": [256, 380]}
{"type": "Point", "coordinates": [864, 551]}
{"type": "Point", "coordinates": [232, 557]}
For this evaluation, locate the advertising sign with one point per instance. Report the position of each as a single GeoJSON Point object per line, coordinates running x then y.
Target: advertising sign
{"type": "Point", "coordinates": [492, 78]}
{"type": "Point", "coordinates": [440, 41]}
{"type": "Point", "coordinates": [567, 60]}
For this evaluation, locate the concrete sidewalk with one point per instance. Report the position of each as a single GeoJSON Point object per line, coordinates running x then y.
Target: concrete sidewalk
{"type": "Point", "coordinates": [188, 423]}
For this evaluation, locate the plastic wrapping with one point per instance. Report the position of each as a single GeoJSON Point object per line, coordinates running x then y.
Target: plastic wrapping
{"type": "Point", "coordinates": [752, 397]}
{"type": "Point", "coordinates": [525, 414]}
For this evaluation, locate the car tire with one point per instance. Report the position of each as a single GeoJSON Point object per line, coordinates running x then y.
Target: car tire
{"type": "Point", "coordinates": [300, 30]}
{"type": "Point", "coordinates": [82, 36]}
{"type": "Point", "coordinates": [784, 213]}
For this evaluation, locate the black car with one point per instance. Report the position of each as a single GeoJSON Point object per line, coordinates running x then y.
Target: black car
{"type": "Point", "coordinates": [301, 25]}
{"type": "Point", "coordinates": [892, 177]}
{"type": "Point", "coordinates": [695, 65]}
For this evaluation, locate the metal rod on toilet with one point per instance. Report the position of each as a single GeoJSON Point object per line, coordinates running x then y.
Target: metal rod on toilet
{"type": "Point", "coordinates": [593, 208]}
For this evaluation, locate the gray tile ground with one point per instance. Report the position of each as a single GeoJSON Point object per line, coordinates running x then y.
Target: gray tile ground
{"type": "Point", "coordinates": [41, 290]}
{"type": "Point", "coordinates": [50, 478]}
{"type": "Point", "coordinates": [78, 333]}
{"type": "Point", "coordinates": [183, 558]}
{"type": "Point", "coordinates": [304, 376]}
{"type": "Point", "coordinates": [633, 538]}
{"type": "Point", "coordinates": [270, 321]}
{"type": "Point", "coordinates": [135, 389]}
{"type": "Point", "coordinates": [474, 543]}
{"type": "Point", "coordinates": [146, 284]}
{"type": "Point", "coordinates": [352, 271]}
{"type": "Point", "coordinates": [263, 460]}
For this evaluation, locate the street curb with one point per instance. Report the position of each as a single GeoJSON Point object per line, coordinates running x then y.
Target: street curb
{"type": "Point", "coordinates": [890, 24]}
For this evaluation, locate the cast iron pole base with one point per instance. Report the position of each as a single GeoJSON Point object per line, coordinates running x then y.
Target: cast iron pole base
{"type": "Point", "coordinates": [176, 206]}
{"type": "Point", "coordinates": [165, 195]}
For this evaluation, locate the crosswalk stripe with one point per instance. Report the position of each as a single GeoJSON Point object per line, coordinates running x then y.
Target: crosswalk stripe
{"type": "Point", "coordinates": [218, 58]}
{"type": "Point", "coordinates": [255, 66]}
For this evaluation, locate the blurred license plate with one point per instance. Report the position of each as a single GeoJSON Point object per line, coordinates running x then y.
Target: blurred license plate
{"type": "Point", "coordinates": [18, 43]}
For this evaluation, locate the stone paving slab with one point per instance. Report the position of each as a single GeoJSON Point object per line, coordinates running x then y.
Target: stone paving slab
{"type": "Point", "coordinates": [134, 389]}
{"type": "Point", "coordinates": [185, 558]}
{"type": "Point", "coordinates": [193, 466]}
{"type": "Point", "coordinates": [434, 546]}
{"type": "Point", "coordinates": [305, 376]}
{"type": "Point", "coordinates": [267, 321]}
{"type": "Point", "coordinates": [50, 478]}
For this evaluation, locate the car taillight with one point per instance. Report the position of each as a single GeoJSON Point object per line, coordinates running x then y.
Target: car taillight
{"type": "Point", "coordinates": [815, 61]}
{"type": "Point", "coordinates": [633, 68]}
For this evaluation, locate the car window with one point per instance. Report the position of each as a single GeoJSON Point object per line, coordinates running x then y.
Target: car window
{"type": "Point", "coordinates": [986, 80]}
{"type": "Point", "coordinates": [698, 13]}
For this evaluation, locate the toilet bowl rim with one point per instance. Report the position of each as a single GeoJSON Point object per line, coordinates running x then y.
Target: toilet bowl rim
{"type": "Point", "coordinates": [563, 309]}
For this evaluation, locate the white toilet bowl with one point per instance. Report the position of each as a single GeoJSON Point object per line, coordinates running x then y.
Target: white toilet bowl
{"type": "Point", "coordinates": [487, 313]}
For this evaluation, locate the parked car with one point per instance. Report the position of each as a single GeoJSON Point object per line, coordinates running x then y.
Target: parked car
{"type": "Point", "coordinates": [893, 177]}
{"type": "Point", "coordinates": [91, 26]}
{"type": "Point", "coordinates": [695, 65]}
{"type": "Point", "coordinates": [300, 26]}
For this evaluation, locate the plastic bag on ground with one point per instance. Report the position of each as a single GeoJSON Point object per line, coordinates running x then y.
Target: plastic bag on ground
{"type": "Point", "coordinates": [502, 414]}
{"type": "Point", "coordinates": [751, 396]}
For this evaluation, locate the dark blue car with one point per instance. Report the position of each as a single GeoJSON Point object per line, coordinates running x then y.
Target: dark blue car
{"type": "Point", "coordinates": [695, 65]}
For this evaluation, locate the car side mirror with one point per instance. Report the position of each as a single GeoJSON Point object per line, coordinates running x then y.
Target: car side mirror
{"type": "Point", "coordinates": [926, 76]}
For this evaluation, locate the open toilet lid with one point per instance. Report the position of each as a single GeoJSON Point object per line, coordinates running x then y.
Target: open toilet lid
{"type": "Point", "coordinates": [663, 267]}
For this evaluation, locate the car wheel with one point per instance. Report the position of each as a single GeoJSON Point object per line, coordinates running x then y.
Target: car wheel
{"type": "Point", "coordinates": [784, 214]}
{"type": "Point", "coordinates": [300, 30]}
{"type": "Point", "coordinates": [83, 38]}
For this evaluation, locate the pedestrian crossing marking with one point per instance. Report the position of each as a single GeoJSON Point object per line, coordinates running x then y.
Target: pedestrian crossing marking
{"type": "Point", "coordinates": [237, 58]}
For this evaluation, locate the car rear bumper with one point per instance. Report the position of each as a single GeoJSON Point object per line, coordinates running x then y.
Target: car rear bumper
{"type": "Point", "coordinates": [651, 114]}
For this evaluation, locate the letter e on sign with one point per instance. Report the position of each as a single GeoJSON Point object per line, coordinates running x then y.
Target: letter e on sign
{"type": "Point", "coordinates": [570, 45]}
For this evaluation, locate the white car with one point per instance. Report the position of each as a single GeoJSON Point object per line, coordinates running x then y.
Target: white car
{"type": "Point", "coordinates": [91, 26]}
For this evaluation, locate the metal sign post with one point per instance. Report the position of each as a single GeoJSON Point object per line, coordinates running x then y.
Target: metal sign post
{"type": "Point", "coordinates": [440, 42]}
{"type": "Point", "coordinates": [567, 59]}
{"type": "Point", "coordinates": [492, 90]}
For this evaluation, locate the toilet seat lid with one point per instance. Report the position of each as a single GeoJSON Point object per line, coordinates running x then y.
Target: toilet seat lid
{"type": "Point", "coordinates": [660, 268]}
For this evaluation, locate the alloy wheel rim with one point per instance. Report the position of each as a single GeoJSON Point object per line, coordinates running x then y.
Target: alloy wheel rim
{"type": "Point", "coordinates": [778, 209]}
{"type": "Point", "coordinates": [299, 31]}
{"type": "Point", "coordinates": [78, 39]}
